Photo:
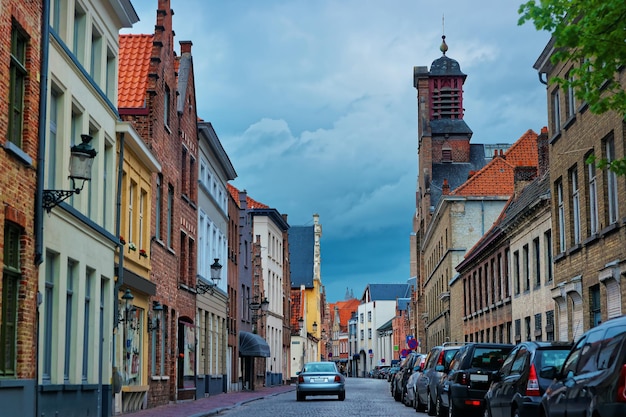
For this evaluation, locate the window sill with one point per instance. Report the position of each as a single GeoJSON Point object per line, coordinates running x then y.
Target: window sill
{"type": "Point", "coordinates": [16, 151]}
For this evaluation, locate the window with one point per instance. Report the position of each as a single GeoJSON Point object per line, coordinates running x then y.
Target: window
{"type": "Point", "coordinates": [158, 203]}
{"type": "Point", "coordinates": [537, 256]}
{"type": "Point", "coordinates": [369, 333]}
{"type": "Point", "coordinates": [361, 318]}
{"type": "Point", "coordinates": [575, 206]}
{"type": "Point", "coordinates": [69, 320]}
{"type": "Point", "coordinates": [525, 252]}
{"type": "Point", "coordinates": [17, 81]}
{"type": "Point", "coordinates": [538, 326]}
{"type": "Point", "coordinates": [547, 238]}
{"type": "Point", "coordinates": [550, 325]}
{"type": "Point", "coordinates": [131, 211]}
{"type": "Point", "coordinates": [49, 329]}
{"type": "Point", "coordinates": [95, 67]}
{"type": "Point", "coordinates": [183, 172]}
{"type": "Point", "coordinates": [560, 216]}
{"type": "Point", "coordinates": [10, 290]}
{"type": "Point", "coordinates": [111, 70]}
{"type": "Point", "coordinates": [166, 106]}
{"type": "Point", "coordinates": [369, 316]}
{"type": "Point", "coordinates": [595, 307]}
{"type": "Point", "coordinates": [143, 198]}
{"type": "Point", "coordinates": [362, 334]}
{"type": "Point", "coordinates": [592, 189]}
{"type": "Point", "coordinates": [516, 272]}
{"type": "Point", "coordinates": [556, 112]}
{"type": "Point", "coordinates": [609, 148]}
{"type": "Point", "coordinates": [571, 98]}
{"type": "Point", "coordinates": [527, 322]}
{"type": "Point", "coordinates": [518, 330]}
{"type": "Point", "coordinates": [89, 278]}
{"type": "Point", "coordinates": [170, 215]}
{"type": "Point", "coordinates": [78, 45]}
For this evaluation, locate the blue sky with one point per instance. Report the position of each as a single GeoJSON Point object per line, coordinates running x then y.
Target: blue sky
{"type": "Point", "coordinates": [313, 101]}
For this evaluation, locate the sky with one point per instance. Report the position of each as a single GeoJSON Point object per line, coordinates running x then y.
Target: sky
{"type": "Point", "coordinates": [313, 101]}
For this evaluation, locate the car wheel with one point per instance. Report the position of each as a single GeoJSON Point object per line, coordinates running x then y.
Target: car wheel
{"type": "Point", "coordinates": [515, 413]}
{"type": "Point", "coordinates": [430, 405]}
{"type": "Point", "coordinates": [342, 396]}
{"type": "Point", "coordinates": [300, 396]}
{"type": "Point", "coordinates": [487, 412]}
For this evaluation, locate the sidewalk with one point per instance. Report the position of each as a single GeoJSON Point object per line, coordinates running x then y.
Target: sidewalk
{"type": "Point", "coordinates": [212, 405]}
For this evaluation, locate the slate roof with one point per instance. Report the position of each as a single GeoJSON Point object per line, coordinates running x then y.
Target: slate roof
{"type": "Point", "coordinates": [403, 303]}
{"type": "Point", "coordinates": [184, 72]}
{"type": "Point", "coordinates": [382, 292]}
{"type": "Point", "coordinates": [536, 192]}
{"type": "Point", "coordinates": [134, 63]}
{"type": "Point", "coordinates": [456, 173]}
{"type": "Point", "coordinates": [446, 66]}
{"type": "Point", "coordinates": [301, 250]}
{"type": "Point", "coordinates": [449, 126]}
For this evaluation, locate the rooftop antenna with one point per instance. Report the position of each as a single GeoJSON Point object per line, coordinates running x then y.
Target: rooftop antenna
{"type": "Point", "coordinates": [444, 47]}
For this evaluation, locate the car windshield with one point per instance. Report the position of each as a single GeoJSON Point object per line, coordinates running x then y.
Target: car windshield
{"type": "Point", "coordinates": [320, 367]}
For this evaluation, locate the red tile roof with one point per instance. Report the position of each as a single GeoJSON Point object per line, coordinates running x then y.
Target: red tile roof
{"type": "Point", "coordinates": [134, 63]}
{"type": "Point", "coordinates": [497, 178]}
{"type": "Point", "coordinates": [346, 308]}
{"type": "Point", "coordinates": [252, 204]}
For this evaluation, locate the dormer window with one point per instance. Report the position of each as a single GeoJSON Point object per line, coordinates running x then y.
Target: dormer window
{"type": "Point", "coordinates": [446, 155]}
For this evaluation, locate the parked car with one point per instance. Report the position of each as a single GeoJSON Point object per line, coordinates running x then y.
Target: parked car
{"type": "Point", "coordinates": [466, 382]}
{"type": "Point", "coordinates": [320, 378]}
{"type": "Point", "coordinates": [379, 371]}
{"type": "Point", "coordinates": [392, 372]}
{"type": "Point", "coordinates": [516, 389]}
{"type": "Point", "coordinates": [409, 394]}
{"type": "Point", "coordinates": [593, 379]}
{"type": "Point", "coordinates": [426, 387]}
{"type": "Point", "coordinates": [400, 378]}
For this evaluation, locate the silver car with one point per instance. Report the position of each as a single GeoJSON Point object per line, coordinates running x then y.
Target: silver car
{"type": "Point", "coordinates": [320, 378]}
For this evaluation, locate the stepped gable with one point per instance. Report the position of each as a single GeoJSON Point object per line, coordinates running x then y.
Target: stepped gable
{"type": "Point", "coordinates": [498, 176]}
{"type": "Point", "coordinates": [134, 63]}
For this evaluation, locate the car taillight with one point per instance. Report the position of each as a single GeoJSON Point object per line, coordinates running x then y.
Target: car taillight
{"type": "Point", "coordinates": [621, 386]}
{"type": "Point", "coordinates": [337, 378]}
{"type": "Point", "coordinates": [532, 386]}
{"type": "Point", "coordinates": [301, 379]}
{"type": "Point", "coordinates": [440, 358]}
{"type": "Point", "coordinates": [463, 378]}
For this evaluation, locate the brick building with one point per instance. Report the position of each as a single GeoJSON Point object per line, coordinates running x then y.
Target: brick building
{"type": "Point", "coordinates": [161, 106]}
{"type": "Point", "coordinates": [446, 160]}
{"type": "Point", "coordinates": [588, 205]}
{"type": "Point", "coordinates": [21, 215]}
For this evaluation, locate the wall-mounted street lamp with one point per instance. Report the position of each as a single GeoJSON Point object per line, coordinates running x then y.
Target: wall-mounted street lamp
{"type": "Point", "coordinates": [216, 272]}
{"type": "Point", "coordinates": [255, 306]}
{"type": "Point", "coordinates": [129, 308]}
{"type": "Point", "coordinates": [315, 327]}
{"type": "Point", "coordinates": [155, 322]}
{"type": "Point", "coordinates": [81, 161]}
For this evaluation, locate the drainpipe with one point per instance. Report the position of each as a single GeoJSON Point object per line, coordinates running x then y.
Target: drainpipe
{"type": "Point", "coordinates": [120, 263]}
{"type": "Point", "coordinates": [41, 147]}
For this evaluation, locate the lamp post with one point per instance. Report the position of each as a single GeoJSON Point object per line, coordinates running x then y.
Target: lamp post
{"type": "Point", "coordinates": [216, 275]}
{"type": "Point", "coordinates": [255, 306]}
{"type": "Point", "coordinates": [81, 161]}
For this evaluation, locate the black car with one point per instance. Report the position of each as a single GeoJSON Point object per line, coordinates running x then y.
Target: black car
{"type": "Point", "coordinates": [465, 384]}
{"type": "Point", "coordinates": [426, 387]}
{"type": "Point", "coordinates": [516, 389]}
{"type": "Point", "coordinates": [398, 389]}
{"type": "Point", "coordinates": [593, 379]}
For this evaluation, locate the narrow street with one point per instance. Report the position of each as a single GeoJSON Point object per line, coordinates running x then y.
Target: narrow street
{"type": "Point", "coordinates": [364, 397]}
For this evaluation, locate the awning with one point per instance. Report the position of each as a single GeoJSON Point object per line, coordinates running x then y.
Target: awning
{"type": "Point", "coordinates": [251, 344]}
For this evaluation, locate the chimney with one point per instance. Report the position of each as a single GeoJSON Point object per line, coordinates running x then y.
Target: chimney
{"type": "Point", "coordinates": [185, 47]}
{"type": "Point", "coordinates": [445, 187]}
{"type": "Point", "coordinates": [523, 175]}
{"type": "Point", "coordinates": [543, 150]}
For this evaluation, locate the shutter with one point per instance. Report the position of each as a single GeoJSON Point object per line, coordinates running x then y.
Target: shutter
{"type": "Point", "coordinates": [613, 299]}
